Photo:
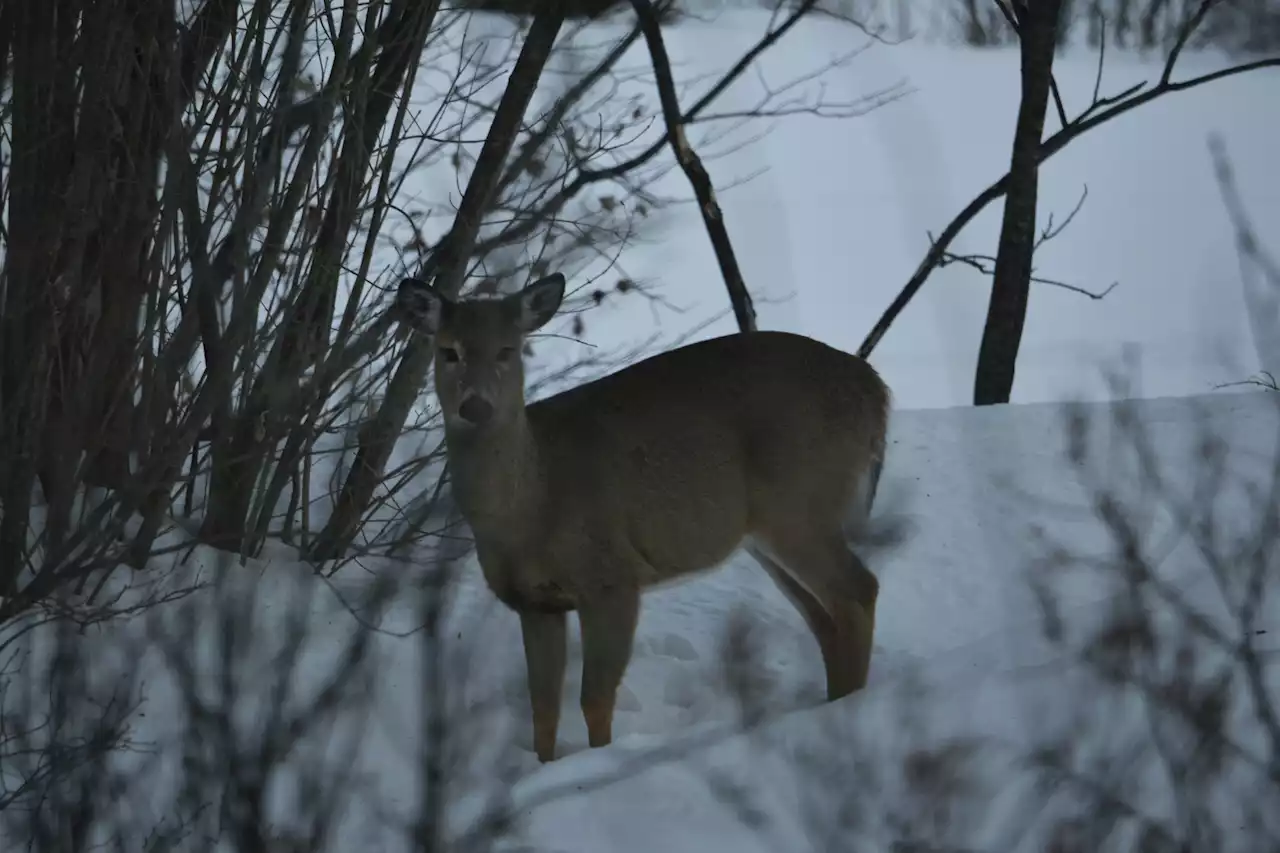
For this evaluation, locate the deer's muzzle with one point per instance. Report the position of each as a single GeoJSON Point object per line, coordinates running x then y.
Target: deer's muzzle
{"type": "Point", "coordinates": [476, 410]}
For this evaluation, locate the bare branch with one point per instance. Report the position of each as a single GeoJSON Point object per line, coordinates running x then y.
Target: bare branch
{"type": "Point", "coordinates": [985, 264]}
{"type": "Point", "coordinates": [699, 180]}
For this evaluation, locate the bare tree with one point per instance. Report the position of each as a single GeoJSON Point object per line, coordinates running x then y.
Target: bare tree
{"type": "Point", "coordinates": [1037, 27]}
{"type": "Point", "coordinates": [1101, 109]}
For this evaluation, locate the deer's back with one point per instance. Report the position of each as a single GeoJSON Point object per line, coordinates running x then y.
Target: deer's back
{"type": "Point", "coordinates": [686, 452]}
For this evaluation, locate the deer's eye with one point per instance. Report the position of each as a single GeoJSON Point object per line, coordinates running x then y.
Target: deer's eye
{"type": "Point", "coordinates": [449, 355]}
{"type": "Point", "coordinates": [506, 353]}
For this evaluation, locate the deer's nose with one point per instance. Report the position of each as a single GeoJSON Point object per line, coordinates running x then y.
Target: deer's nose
{"type": "Point", "coordinates": [476, 409]}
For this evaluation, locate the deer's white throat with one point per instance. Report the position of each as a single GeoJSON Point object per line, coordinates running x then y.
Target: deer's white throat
{"type": "Point", "coordinates": [496, 476]}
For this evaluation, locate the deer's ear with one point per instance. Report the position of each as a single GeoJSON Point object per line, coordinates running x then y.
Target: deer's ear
{"type": "Point", "coordinates": [539, 301]}
{"type": "Point", "coordinates": [421, 305]}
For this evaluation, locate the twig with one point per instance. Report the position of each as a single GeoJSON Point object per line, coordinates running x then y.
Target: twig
{"type": "Point", "coordinates": [985, 264]}
{"type": "Point", "coordinates": [1050, 230]}
{"type": "Point", "coordinates": [1263, 379]}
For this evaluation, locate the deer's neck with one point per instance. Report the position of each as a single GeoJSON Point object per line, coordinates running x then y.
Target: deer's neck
{"type": "Point", "coordinates": [497, 482]}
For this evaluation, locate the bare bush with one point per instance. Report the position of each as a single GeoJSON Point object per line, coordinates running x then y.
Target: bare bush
{"type": "Point", "coordinates": [1177, 746]}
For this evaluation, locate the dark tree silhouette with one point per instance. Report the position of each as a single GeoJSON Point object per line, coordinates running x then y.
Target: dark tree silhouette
{"type": "Point", "coordinates": [1037, 24]}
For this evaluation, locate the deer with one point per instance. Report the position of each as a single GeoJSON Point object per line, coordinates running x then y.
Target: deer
{"type": "Point", "coordinates": [765, 441]}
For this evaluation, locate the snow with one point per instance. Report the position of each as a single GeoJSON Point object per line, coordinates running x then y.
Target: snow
{"type": "Point", "coordinates": [828, 233]}
{"type": "Point", "coordinates": [959, 652]}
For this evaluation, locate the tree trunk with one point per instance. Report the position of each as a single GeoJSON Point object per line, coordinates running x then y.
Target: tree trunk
{"type": "Point", "coordinates": [975, 35]}
{"type": "Point", "coordinates": [96, 90]}
{"type": "Point", "coordinates": [1011, 283]}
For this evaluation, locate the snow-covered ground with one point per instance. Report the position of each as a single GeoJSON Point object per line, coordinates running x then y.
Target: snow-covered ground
{"type": "Point", "coordinates": [827, 235]}
{"type": "Point", "coordinates": [960, 652]}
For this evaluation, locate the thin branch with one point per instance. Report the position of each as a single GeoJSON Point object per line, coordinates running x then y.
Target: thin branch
{"type": "Point", "coordinates": [1051, 231]}
{"type": "Point", "coordinates": [527, 225]}
{"type": "Point", "coordinates": [1012, 20]}
{"type": "Point", "coordinates": [691, 164]}
{"type": "Point", "coordinates": [985, 264]}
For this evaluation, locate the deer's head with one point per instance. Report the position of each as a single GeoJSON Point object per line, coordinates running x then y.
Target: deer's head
{"type": "Point", "coordinates": [479, 343]}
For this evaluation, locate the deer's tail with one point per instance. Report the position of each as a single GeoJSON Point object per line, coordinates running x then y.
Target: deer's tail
{"type": "Point", "coordinates": [873, 480]}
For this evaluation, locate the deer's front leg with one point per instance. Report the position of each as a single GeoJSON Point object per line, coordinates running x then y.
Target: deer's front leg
{"type": "Point", "coordinates": [608, 629]}
{"type": "Point", "coordinates": [544, 655]}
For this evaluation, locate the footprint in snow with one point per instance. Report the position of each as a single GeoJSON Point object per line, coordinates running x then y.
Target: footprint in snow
{"type": "Point", "coordinates": [679, 693]}
{"type": "Point", "coordinates": [627, 699]}
{"type": "Point", "coordinates": [674, 646]}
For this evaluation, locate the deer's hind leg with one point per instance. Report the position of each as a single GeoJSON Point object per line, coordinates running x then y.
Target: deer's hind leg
{"type": "Point", "coordinates": [836, 593]}
{"type": "Point", "coordinates": [820, 623]}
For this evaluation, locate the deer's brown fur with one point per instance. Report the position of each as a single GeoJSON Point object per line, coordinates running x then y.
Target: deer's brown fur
{"type": "Point", "coordinates": [767, 440]}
